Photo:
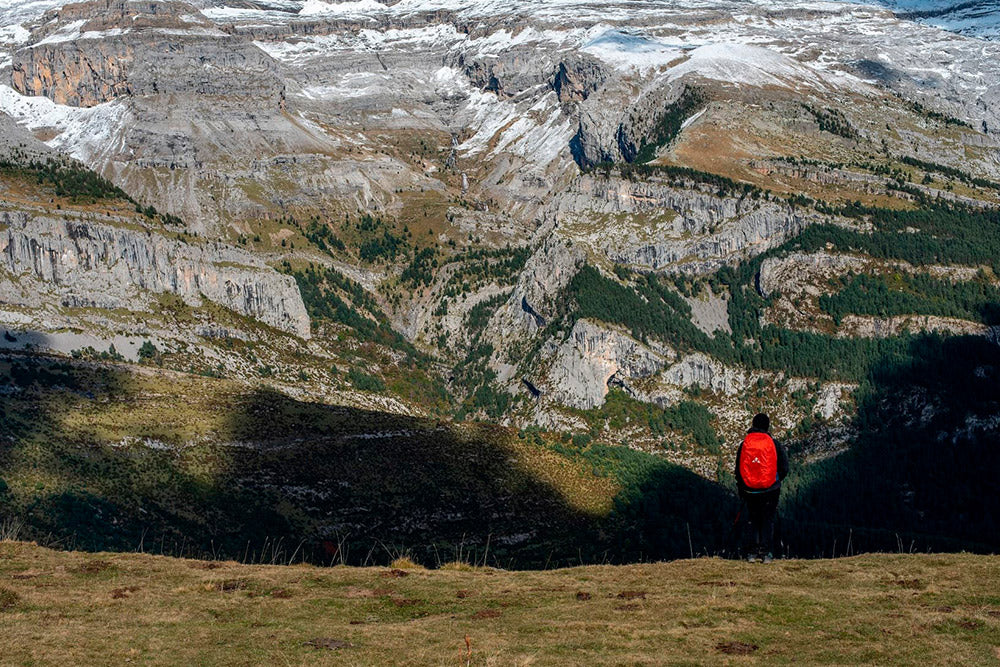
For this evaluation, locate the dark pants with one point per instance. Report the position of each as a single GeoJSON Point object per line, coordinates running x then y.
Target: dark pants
{"type": "Point", "coordinates": [761, 511]}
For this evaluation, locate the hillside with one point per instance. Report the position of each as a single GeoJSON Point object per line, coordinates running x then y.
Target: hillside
{"type": "Point", "coordinates": [102, 455]}
{"type": "Point", "coordinates": [73, 608]}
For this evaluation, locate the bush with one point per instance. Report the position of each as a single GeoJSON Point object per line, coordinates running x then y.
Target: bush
{"type": "Point", "coordinates": [147, 351]}
{"type": "Point", "coordinates": [364, 381]}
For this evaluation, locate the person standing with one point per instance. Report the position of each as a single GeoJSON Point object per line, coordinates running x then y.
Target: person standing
{"type": "Point", "coordinates": [761, 464]}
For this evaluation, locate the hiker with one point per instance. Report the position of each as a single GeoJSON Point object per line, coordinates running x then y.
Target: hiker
{"type": "Point", "coordinates": [761, 464]}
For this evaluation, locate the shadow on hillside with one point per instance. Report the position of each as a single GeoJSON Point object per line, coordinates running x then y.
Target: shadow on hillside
{"type": "Point", "coordinates": [90, 459]}
{"type": "Point", "coordinates": [924, 473]}
{"type": "Point", "coordinates": [88, 463]}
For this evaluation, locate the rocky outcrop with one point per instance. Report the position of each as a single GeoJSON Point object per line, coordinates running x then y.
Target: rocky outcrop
{"type": "Point", "coordinates": [577, 77]}
{"type": "Point", "coordinates": [543, 279]}
{"type": "Point", "coordinates": [808, 273]}
{"type": "Point", "coordinates": [701, 233]}
{"type": "Point", "coordinates": [710, 312]}
{"type": "Point", "coordinates": [85, 263]}
{"type": "Point", "coordinates": [509, 72]}
{"type": "Point", "coordinates": [856, 326]}
{"type": "Point", "coordinates": [593, 355]}
{"type": "Point", "coordinates": [94, 52]}
{"type": "Point", "coordinates": [798, 272]}
{"type": "Point", "coordinates": [700, 370]}
{"type": "Point", "coordinates": [610, 131]}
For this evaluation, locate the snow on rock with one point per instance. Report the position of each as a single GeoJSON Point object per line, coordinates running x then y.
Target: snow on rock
{"type": "Point", "coordinates": [314, 7]}
{"type": "Point", "coordinates": [81, 132]}
{"type": "Point", "coordinates": [744, 64]}
{"type": "Point", "coordinates": [631, 50]}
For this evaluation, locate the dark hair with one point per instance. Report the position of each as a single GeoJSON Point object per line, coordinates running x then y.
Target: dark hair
{"type": "Point", "coordinates": [761, 422]}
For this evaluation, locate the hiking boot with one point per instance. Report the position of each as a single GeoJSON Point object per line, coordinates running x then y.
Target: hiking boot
{"type": "Point", "coordinates": [768, 558]}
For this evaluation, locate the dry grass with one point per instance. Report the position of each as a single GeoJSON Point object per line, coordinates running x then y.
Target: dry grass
{"type": "Point", "coordinates": [885, 609]}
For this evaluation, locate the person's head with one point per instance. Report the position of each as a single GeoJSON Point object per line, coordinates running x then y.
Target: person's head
{"type": "Point", "coordinates": [761, 422]}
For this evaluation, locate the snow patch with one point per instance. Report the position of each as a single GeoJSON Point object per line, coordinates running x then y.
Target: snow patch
{"type": "Point", "coordinates": [745, 64]}
{"type": "Point", "coordinates": [67, 33]}
{"type": "Point", "coordinates": [631, 51]}
{"type": "Point", "coordinates": [318, 7]}
{"type": "Point", "coordinates": [81, 132]}
{"type": "Point", "coordinates": [14, 34]}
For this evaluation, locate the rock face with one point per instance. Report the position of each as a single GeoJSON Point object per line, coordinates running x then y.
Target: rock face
{"type": "Point", "coordinates": [532, 302]}
{"type": "Point", "coordinates": [591, 357]}
{"type": "Point", "coordinates": [702, 371]}
{"type": "Point", "coordinates": [855, 326]}
{"type": "Point", "coordinates": [668, 227]}
{"type": "Point", "coordinates": [578, 77]}
{"type": "Point", "coordinates": [90, 264]}
{"type": "Point", "coordinates": [508, 73]}
{"type": "Point", "coordinates": [94, 52]}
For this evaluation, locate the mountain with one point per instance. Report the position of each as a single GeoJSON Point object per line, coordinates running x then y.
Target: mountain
{"type": "Point", "coordinates": [612, 230]}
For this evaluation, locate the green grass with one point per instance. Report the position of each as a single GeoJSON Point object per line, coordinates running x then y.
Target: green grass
{"type": "Point", "coordinates": [74, 608]}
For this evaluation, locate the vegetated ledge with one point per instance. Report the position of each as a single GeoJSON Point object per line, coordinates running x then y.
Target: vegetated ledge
{"type": "Point", "coordinates": [876, 608]}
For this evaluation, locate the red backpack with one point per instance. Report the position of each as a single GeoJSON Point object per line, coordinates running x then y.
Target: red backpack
{"type": "Point", "coordinates": [758, 461]}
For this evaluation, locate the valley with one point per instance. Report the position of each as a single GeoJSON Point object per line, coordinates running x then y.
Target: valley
{"type": "Point", "coordinates": [506, 275]}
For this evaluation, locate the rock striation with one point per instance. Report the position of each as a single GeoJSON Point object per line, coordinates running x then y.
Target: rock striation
{"type": "Point", "coordinates": [672, 227]}
{"type": "Point", "coordinates": [91, 264]}
{"type": "Point", "coordinates": [93, 52]}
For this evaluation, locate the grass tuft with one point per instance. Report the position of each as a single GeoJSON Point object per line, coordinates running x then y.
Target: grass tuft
{"type": "Point", "coordinates": [405, 563]}
{"type": "Point", "coordinates": [8, 599]}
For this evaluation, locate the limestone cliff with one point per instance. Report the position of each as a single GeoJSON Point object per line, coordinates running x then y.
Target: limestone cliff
{"type": "Point", "coordinates": [94, 52]}
{"type": "Point", "coordinates": [81, 262]}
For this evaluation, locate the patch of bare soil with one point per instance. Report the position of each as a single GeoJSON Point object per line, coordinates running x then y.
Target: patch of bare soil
{"type": "Point", "coordinates": [632, 595]}
{"type": "Point", "coordinates": [230, 585]}
{"type": "Point", "coordinates": [406, 602]}
{"type": "Point", "coordinates": [396, 573]}
{"type": "Point", "coordinates": [205, 565]}
{"type": "Point", "coordinates": [736, 648]}
{"type": "Point", "coordinates": [327, 643]}
{"type": "Point", "coordinates": [123, 592]}
{"type": "Point", "coordinates": [92, 567]}
{"type": "Point", "coordinates": [354, 592]}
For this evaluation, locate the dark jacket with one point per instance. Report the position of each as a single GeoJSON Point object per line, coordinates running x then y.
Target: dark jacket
{"type": "Point", "coordinates": [782, 467]}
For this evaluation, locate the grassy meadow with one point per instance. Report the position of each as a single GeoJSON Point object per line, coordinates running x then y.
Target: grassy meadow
{"type": "Point", "coordinates": [59, 607]}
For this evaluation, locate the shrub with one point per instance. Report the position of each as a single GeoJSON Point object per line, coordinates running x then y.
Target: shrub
{"type": "Point", "coordinates": [364, 381]}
